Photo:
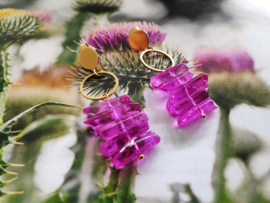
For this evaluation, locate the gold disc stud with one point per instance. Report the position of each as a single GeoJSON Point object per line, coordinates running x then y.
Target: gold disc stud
{"type": "Point", "coordinates": [138, 40]}
{"type": "Point", "coordinates": [88, 57]}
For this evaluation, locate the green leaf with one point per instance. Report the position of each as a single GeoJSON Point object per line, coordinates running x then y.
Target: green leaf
{"type": "Point", "coordinates": [33, 137]}
{"type": "Point", "coordinates": [5, 129]}
{"type": "Point", "coordinates": [44, 123]}
{"type": "Point", "coordinates": [4, 82]}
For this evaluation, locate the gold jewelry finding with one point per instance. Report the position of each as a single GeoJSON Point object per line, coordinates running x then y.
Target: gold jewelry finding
{"type": "Point", "coordinates": [104, 95]}
{"type": "Point", "coordinates": [139, 41]}
{"type": "Point", "coordinates": [107, 96]}
{"type": "Point", "coordinates": [87, 57]}
{"type": "Point", "coordinates": [158, 51]}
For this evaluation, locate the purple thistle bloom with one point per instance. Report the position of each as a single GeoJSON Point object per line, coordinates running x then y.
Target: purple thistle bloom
{"type": "Point", "coordinates": [115, 36]}
{"type": "Point", "coordinates": [44, 16]}
{"type": "Point", "coordinates": [219, 60]}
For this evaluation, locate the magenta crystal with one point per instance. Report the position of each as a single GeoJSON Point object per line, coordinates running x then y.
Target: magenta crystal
{"type": "Point", "coordinates": [135, 147]}
{"type": "Point", "coordinates": [188, 97]}
{"type": "Point", "coordinates": [106, 105]}
{"type": "Point", "coordinates": [119, 121]}
{"type": "Point", "coordinates": [196, 112]}
{"type": "Point", "coordinates": [172, 77]}
{"type": "Point", "coordinates": [186, 91]}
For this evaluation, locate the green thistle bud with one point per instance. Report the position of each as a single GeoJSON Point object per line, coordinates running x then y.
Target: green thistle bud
{"type": "Point", "coordinates": [16, 24]}
{"type": "Point", "coordinates": [97, 6]}
{"type": "Point", "coordinates": [245, 143]}
{"type": "Point", "coordinates": [229, 90]}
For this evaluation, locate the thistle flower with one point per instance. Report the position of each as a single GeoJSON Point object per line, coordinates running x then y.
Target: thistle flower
{"type": "Point", "coordinates": [97, 6]}
{"type": "Point", "coordinates": [115, 36]}
{"type": "Point", "coordinates": [131, 73]}
{"type": "Point", "coordinates": [44, 16]}
{"type": "Point", "coordinates": [15, 24]}
{"type": "Point", "coordinates": [232, 77]}
{"type": "Point", "coordinates": [219, 60]}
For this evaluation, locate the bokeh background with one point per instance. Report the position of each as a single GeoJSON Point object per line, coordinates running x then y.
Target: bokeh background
{"type": "Point", "coordinates": [183, 157]}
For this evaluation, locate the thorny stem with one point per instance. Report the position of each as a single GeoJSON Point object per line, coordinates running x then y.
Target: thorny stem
{"type": "Point", "coordinates": [222, 155]}
{"type": "Point", "coordinates": [4, 83]}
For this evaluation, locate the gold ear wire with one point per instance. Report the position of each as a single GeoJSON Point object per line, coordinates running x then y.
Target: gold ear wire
{"type": "Point", "coordinates": [139, 41]}
{"type": "Point", "coordinates": [88, 59]}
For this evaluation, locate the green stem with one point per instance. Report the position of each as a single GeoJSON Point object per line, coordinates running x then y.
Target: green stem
{"type": "Point", "coordinates": [112, 185]}
{"type": "Point", "coordinates": [126, 183]}
{"type": "Point", "coordinates": [223, 153]}
{"type": "Point", "coordinates": [4, 83]}
{"type": "Point", "coordinates": [135, 92]}
{"type": "Point", "coordinates": [73, 31]}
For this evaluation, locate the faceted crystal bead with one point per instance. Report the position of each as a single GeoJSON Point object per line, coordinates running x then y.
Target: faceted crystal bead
{"type": "Point", "coordinates": [120, 122]}
{"type": "Point", "coordinates": [196, 112]}
{"type": "Point", "coordinates": [134, 148]}
{"type": "Point", "coordinates": [171, 78]}
{"type": "Point", "coordinates": [188, 97]}
{"type": "Point", "coordinates": [183, 106]}
{"type": "Point", "coordinates": [186, 91]}
{"type": "Point", "coordinates": [101, 107]}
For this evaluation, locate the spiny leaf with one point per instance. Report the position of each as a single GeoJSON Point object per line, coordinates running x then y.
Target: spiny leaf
{"type": "Point", "coordinates": [43, 123]}
{"type": "Point", "coordinates": [4, 82]}
{"type": "Point", "coordinates": [5, 129]}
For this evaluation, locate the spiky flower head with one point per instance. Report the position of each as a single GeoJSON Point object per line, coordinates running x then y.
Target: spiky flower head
{"type": "Point", "coordinates": [232, 78]}
{"type": "Point", "coordinates": [115, 36]}
{"type": "Point", "coordinates": [219, 60]}
{"type": "Point", "coordinates": [15, 24]}
{"type": "Point", "coordinates": [133, 76]}
{"type": "Point", "coordinates": [97, 6]}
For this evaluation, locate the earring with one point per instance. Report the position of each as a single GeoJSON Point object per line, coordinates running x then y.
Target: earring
{"type": "Point", "coordinates": [119, 121]}
{"type": "Point", "coordinates": [188, 95]}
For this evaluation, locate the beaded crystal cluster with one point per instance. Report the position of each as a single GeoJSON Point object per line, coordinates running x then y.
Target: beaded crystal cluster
{"type": "Point", "coordinates": [188, 96]}
{"type": "Point", "coordinates": [123, 126]}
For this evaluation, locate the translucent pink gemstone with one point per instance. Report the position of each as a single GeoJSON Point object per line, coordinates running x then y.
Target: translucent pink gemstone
{"type": "Point", "coordinates": [104, 106]}
{"type": "Point", "coordinates": [114, 122]}
{"type": "Point", "coordinates": [134, 148]}
{"type": "Point", "coordinates": [172, 77]}
{"type": "Point", "coordinates": [120, 122]}
{"type": "Point", "coordinates": [188, 96]}
{"type": "Point", "coordinates": [187, 90]}
{"type": "Point", "coordinates": [196, 112]}
{"type": "Point", "coordinates": [188, 103]}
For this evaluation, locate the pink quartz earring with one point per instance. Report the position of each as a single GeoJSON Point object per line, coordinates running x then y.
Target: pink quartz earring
{"type": "Point", "coordinates": [119, 121]}
{"type": "Point", "coordinates": [188, 96]}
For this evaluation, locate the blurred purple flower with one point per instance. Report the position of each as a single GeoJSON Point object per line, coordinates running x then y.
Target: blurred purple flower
{"type": "Point", "coordinates": [219, 60]}
{"type": "Point", "coordinates": [44, 16]}
{"type": "Point", "coordinates": [115, 36]}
